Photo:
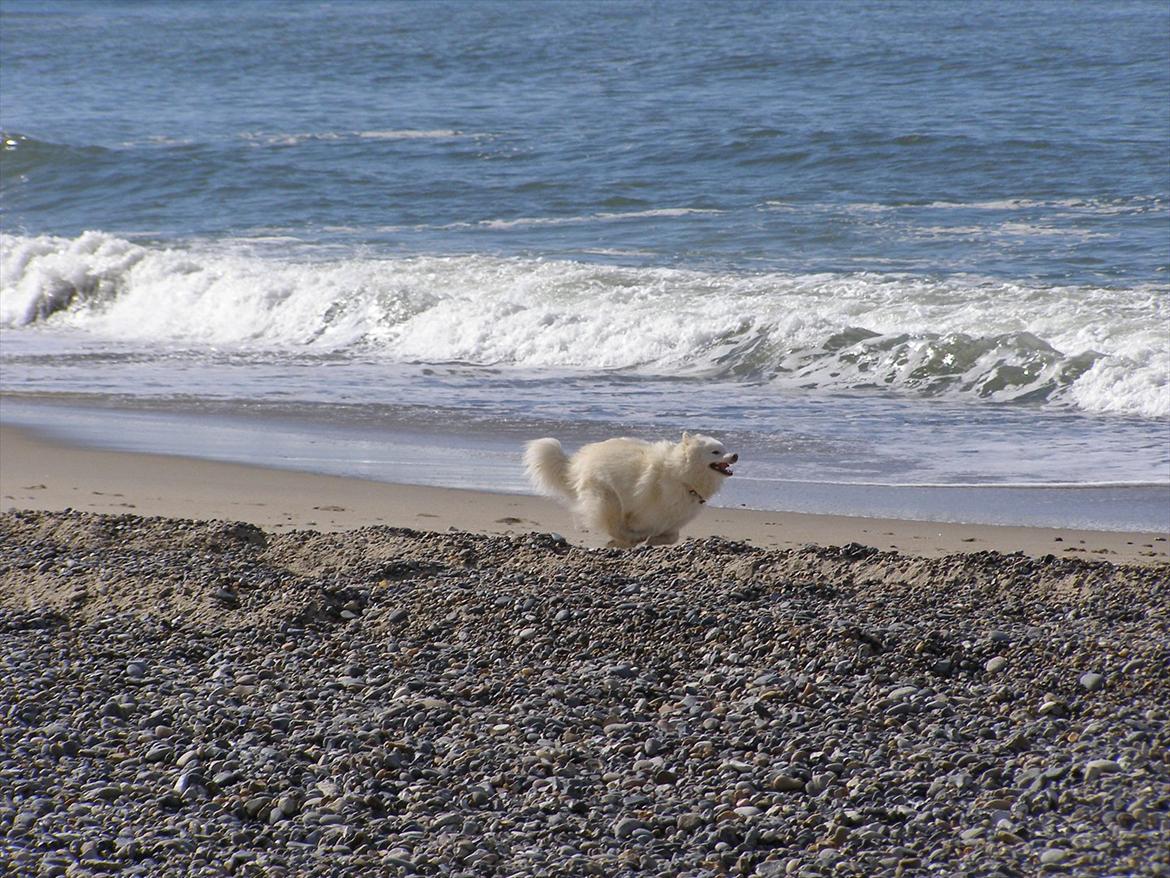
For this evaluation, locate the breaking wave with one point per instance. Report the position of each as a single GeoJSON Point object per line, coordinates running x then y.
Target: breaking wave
{"type": "Point", "coordinates": [1094, 349]}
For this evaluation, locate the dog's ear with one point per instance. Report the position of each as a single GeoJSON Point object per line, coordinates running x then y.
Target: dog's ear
{"type": "Point", "coordinates": [686, 436]}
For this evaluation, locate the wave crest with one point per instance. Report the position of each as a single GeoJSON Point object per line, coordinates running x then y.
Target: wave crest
{"type": "Point", "coordinates": [1092, 349]}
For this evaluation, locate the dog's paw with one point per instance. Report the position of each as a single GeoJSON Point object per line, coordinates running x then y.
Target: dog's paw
{"type": "Point", "coordinates": [620, 544]}
{"type": "Point", "coordinates": [665, 539]}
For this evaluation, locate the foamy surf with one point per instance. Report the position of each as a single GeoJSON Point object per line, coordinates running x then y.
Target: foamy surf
{"type": "Point", "coordinates": [1088, 348]}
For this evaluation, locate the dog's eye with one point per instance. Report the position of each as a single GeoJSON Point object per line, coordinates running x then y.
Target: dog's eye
{"type": "Point", "coordinates": [716, 451]}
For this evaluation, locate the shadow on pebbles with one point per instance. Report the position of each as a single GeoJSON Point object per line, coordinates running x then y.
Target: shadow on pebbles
{"type": "Point", "coordinates": [204, 698]}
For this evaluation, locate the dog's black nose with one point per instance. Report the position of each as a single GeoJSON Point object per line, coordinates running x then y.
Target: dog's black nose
{"type": "Point", "coordinates": [734, 458]}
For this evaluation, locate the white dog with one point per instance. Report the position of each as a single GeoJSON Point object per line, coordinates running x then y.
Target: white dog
{"type": "Point", "coordinates": [634, 491]}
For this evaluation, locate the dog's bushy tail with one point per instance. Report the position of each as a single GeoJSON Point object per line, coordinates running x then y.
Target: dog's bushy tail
{"type": "Point", "coordinates": [548, 468]}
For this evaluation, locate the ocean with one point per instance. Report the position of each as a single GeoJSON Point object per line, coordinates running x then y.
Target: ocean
{"type": "Point", "coordinates": [907, 258]}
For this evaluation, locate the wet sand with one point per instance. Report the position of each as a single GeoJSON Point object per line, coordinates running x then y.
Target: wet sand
{"type": "Point", "coordinates": [36, 473]}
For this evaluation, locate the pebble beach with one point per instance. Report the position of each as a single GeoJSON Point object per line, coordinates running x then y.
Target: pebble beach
{"type": "Point", "coordinates": [184, 697]}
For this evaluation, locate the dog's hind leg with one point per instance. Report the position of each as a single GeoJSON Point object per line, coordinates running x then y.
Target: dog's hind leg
{"type": "Point", "coordinates": [601, 511]}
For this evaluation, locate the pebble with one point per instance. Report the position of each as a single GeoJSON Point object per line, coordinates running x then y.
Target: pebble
{"type": "Point", "coordinates": [1094, 768]}
{"type": "Point", "coordinates": [1053, 707]}
{"type": "Point", "coordinates": [1091, 681]}
{"type": "Point", "coordinates": [627, 826]}
{"type": "Point", "coordinates": [785, 783]}
{"type": "Point", "coordinates": [690, 821]}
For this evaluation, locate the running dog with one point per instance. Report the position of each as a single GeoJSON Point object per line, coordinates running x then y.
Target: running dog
{"type": "Point", "coordinates": [634, 491]}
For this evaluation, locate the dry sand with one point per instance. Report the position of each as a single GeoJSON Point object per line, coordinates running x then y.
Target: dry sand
{"type": "Point", "coordinates": [44, 475]}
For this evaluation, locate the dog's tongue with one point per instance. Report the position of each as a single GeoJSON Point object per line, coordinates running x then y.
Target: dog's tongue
{"type": "Point", "coordinates": [724, 468]}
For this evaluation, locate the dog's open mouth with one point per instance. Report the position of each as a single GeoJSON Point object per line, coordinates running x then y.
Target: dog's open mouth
{"type": "Point", "coordinates": [723, 467]}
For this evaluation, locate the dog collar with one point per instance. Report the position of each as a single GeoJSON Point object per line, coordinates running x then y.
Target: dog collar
{"type": "Point", "coordinates": [695, 493]}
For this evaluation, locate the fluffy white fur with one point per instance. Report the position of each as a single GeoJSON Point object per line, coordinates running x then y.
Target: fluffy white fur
{"type": "Point", "coordinates": [634, 491]}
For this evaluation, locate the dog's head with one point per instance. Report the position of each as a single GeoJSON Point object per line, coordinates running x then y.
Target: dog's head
{"type": "Point", "coordinates": [705, 452]}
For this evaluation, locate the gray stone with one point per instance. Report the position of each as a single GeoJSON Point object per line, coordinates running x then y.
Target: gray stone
{"type": "Point", "coordinates": [1091, 681]}
{"type": "Point", "coordinates": [1097, 767]}
{"type": "Point", "coordinates": [690, 821]}
{"type": "Point", "coordinates": [627, 826]}
{"type": "Point", "coordinates": [785, 783]}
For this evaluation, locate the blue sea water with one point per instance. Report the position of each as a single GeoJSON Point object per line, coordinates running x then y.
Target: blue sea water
{"type": "Point", "coordinates": [875, 244]}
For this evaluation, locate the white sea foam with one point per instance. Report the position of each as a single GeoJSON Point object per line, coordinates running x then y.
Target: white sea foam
{"type": "Point", "coordinates": [410, 134]}
{"type": "Point", "coordinates": [1064, 207]}
{"type": "Point", "coordinates": [1096, 349]}
{"type": "Point", "coordinates": [272, 138]}
{"type": "Point", "coordinates": [604, 216]}
{"type": "Point", "coordinates": [530, 221]}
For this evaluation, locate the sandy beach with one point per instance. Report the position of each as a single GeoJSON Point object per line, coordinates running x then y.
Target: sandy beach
{"type": "Point", "coordinates": [215, 669]}
{"type": "Point", "coordinates": [39, 474]}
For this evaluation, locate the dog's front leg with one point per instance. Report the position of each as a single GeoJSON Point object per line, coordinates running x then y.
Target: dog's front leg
{"type": "Point", "coordinates": [626, 537]}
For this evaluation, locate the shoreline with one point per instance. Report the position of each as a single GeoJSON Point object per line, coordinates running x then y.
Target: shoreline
{"type": "Point", "coordinates": [48, 475]}
{"type": "Point", "coordinates": [410, 447]}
